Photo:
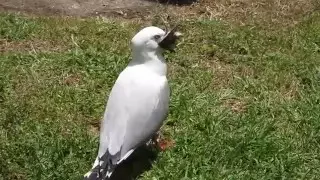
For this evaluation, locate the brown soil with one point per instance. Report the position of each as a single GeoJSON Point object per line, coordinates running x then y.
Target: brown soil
{"type": "Point", "coordinates": [240, 11]}
{"type": "Point", "coordinates": [71, 7]}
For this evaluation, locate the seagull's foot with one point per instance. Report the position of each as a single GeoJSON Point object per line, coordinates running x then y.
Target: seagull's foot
{"type": "Point", "coordinates": [161, 143]}
{"type": "Point", "coordinates": [165, 144]}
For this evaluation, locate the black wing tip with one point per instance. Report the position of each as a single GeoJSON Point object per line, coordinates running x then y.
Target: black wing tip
{"type": "Point", "coordinates": [92, 176]}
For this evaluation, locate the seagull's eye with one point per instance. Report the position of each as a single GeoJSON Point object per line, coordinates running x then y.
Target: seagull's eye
{"type": "Point", "coordinates": [156, 37]}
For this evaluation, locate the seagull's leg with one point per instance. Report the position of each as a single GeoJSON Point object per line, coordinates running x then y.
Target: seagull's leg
{"type": "Point", "coordinates": [153, 141]}
{"type": "Point", "coordinates": [156, 137]}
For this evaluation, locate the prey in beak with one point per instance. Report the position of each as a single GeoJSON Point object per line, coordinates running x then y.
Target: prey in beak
{"type": "Point", "coordinates": [168, 42]}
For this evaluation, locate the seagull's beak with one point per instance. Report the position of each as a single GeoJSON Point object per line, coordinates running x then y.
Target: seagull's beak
{"type": "Point", "coordinates": [168, 42]}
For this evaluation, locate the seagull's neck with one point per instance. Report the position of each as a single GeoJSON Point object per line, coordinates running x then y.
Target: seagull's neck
{"type": "Point", "coordinates": [153, 60]}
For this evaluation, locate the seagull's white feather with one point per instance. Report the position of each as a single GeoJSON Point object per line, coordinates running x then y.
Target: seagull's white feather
{"type": "Point", "coordinates": [137, 106]}
{"type": "Point", "coordinates": [138, 102]}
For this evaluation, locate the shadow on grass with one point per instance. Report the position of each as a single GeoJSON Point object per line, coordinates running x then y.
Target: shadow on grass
{"type": "Point", "coordinates": [139, 162]}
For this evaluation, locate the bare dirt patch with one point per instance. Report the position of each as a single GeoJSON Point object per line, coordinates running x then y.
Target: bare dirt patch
{"type": "Point", "coordinates": [240, 11]}
{"type": "Point", "coordinates": [70, 7]}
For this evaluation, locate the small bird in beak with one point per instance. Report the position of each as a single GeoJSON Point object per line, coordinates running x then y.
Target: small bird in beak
{"type": "Point", "coordinates": [169, 40]}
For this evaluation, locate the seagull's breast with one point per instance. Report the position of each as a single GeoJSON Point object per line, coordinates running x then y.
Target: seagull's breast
{"type": "Point", "coordinates": [143, 75]}
{"type": "Point", "coordinates": [147, 100]}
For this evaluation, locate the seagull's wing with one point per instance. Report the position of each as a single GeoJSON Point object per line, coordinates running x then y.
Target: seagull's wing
{"type": "Point", "coordinates": [137, 106]}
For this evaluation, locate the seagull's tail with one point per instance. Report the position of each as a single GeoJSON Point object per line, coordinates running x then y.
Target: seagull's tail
{"type": "Point", "coordinates": [101, 170]}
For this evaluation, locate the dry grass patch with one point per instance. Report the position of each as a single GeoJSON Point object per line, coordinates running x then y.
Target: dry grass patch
{"type": "Point", "coordinates": [290, 90]}
{"type": "Point", "coordinates": [94, 127]}
{"type": "Point", "coordinates": [33, 45]}
{"type": "Point", "coordinates": [236, 105]}
{"type": "Point", "coordinates": [223, 74]}
{"type": "Point", "coordinates": [263, 12]}
{"type": "Point", "coordinates": [72, 79]}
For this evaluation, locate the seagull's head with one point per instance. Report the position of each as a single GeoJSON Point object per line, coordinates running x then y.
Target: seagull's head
{"type": "Point", "coordinates": [154, 39]}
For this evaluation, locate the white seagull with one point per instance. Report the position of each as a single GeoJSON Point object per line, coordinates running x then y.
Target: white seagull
{"type": "Point", "coordinates": [138, 103]}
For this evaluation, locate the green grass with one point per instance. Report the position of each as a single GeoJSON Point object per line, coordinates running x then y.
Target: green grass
{"type": "Point", "coordinates": [245, 100]}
